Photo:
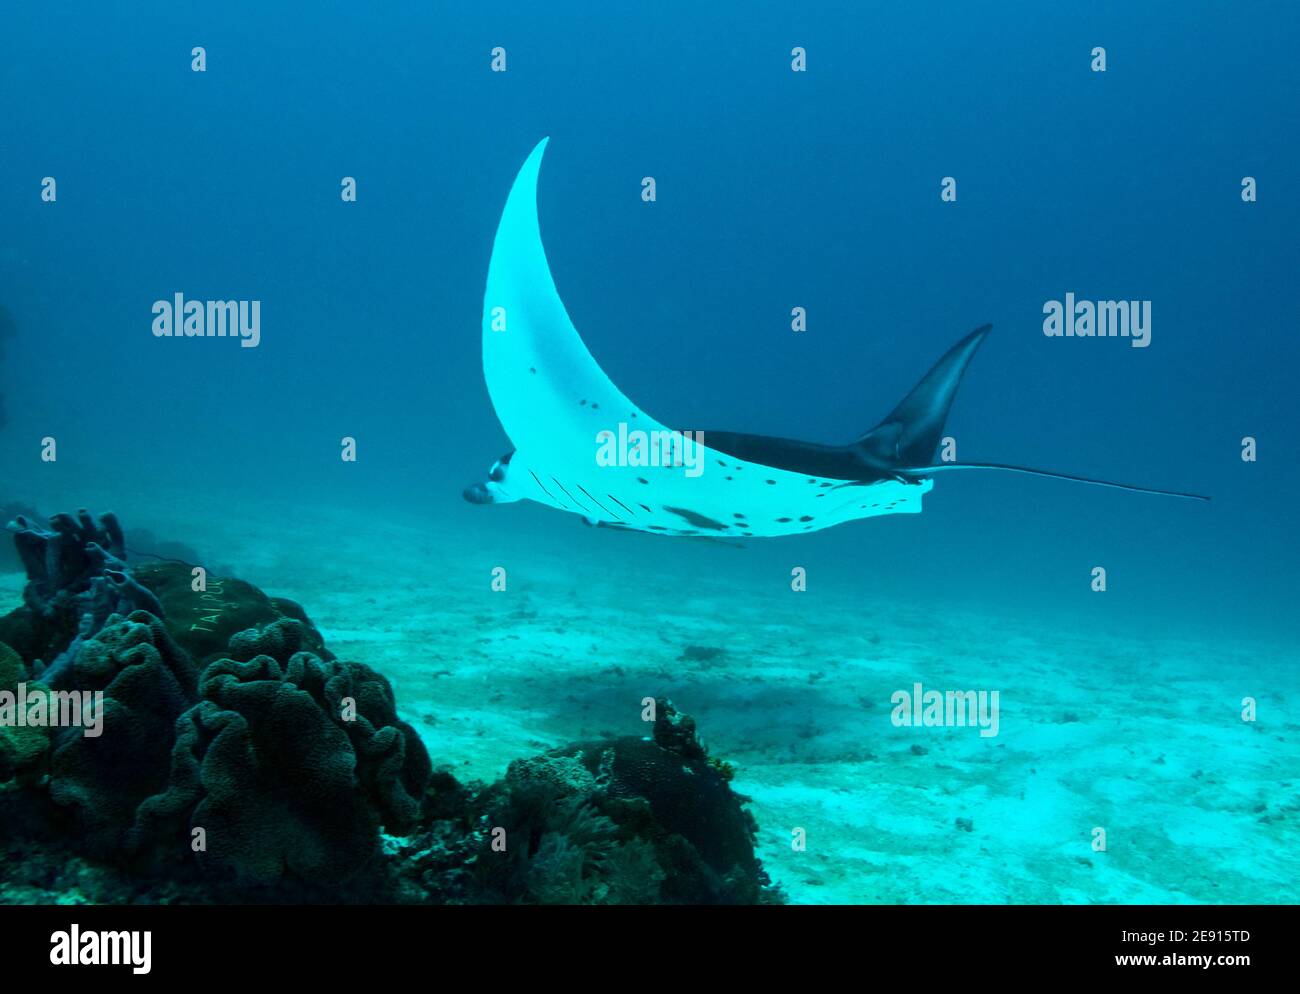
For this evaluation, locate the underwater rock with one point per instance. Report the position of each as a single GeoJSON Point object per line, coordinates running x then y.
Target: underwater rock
{"type": "Point", "coordinates": [616, 821]}
{"type": "Point", "coordinates": [551, 774]}
{"type": "Point", "coordinates": [290, 765]}
{"type": "Point", "coordinates": [675, 731]}
{"type": "Point", "coordinates": [147, 682]}
{"type": "Point", "coordinates": [706, 837]}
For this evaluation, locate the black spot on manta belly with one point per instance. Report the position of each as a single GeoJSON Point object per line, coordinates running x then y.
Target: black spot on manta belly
{"type": "Point", "coordinates": [699, 520]}
{"type": "Point", "coordinates": [784, 520]}
{"type": "Point", "coordinates": [770, 483]}
{"type": "Point", "coordinates": [805, 517]}
{"type": "Point", "coordinates": [642, 479]}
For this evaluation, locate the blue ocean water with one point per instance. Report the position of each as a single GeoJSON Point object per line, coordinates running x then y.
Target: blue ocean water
{"type": "Point", "coordinates": [775, 189]}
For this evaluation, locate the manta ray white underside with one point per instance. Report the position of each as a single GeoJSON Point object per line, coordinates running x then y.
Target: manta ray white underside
{"type": "Point", "coordinates": [555, 402]}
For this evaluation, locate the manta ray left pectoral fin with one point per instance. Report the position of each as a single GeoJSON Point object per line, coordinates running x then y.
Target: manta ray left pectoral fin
{"type": "Point", "coordinates": [549, 393]}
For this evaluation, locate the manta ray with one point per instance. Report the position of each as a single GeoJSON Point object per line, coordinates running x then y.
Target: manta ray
{"type": "Point", "coordinates": [560, 411]}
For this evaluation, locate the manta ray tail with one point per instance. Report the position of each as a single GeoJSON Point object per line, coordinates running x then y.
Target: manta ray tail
{"type": "Point", "coordinates": [911, 432]}
{"type": "Point", "coordinates": [905, 441]}
{"type": "Point", "coordinates": [921, 471]}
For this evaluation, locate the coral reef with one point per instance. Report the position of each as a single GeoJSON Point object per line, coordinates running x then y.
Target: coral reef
{"type": "Point", "coordinates": [10, 511]}
{"type": "Point", "coordinates": [617, 821]}
{"type": "Point", "coordinates": [239, 760]}
{"type": "Point", "coordinates": [204, 620]}
{"type": "Point", "coordinates": [67, 556]}
{"type": "Point", "coordinates": [21, 746]}
{"type": "Point", "coordinates": [290, 763]}
{"type": "Point", "coordinates": [75, 579]}
{"type": "Point", "coordinates": [147, 683]}
{"type": "Point", "coordinates": [222, 710]}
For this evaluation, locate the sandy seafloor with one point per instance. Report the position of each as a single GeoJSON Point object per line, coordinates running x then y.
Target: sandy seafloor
{"type": "Point", "coordinates": [1142, 737]}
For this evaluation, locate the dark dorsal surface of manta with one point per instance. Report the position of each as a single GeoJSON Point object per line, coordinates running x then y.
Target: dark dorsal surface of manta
{"type": "Point", "coordinates": [582, 446]}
